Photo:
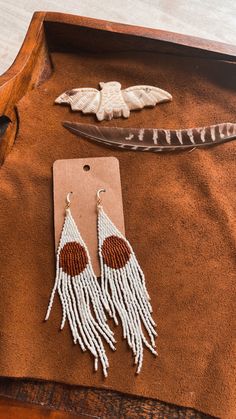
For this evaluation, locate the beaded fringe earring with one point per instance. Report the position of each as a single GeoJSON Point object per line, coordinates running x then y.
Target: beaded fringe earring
{"type": "Point", "coordinates": [123, 287]}
{"type": "Point", "coordinates": [79, 292]}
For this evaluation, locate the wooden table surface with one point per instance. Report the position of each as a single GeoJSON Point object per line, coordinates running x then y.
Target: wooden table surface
{"type": "Point", "coordinates": [46, 398]}
{"type": "Point", "coordinates": [212, 19]}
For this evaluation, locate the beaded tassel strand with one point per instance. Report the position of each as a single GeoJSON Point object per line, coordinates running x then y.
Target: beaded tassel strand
{"type": "Point", "coordinates": [79, 291]}
{"type": "Point", "coordinates": [123, 287]}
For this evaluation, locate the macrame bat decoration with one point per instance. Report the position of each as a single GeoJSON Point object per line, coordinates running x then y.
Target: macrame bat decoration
{"type": "Point", "coordinates": [80, 294]}
{"type": "Point", "coordinates": [124, 289]}
{"type": "Point", "coordinates": [112, 102]}
{"type": "Point", "coordinates": [154, 139]}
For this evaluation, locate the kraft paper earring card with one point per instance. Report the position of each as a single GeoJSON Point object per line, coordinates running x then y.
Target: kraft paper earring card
{"type": "Point", "coordinates": [84, 177]}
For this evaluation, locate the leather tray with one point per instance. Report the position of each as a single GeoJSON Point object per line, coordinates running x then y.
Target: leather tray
{"type": "Point", "coordinates": [61, 33]}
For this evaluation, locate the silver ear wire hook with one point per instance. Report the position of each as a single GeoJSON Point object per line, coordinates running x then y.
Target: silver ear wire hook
{"type": "Point", "coordinates": [99, 199]}
{"type": "Point", "coordinates": [68, 201]}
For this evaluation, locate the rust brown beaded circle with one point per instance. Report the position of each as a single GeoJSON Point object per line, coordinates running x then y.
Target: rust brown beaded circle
{"type": "Point", "coordinates": [73, 258]}
{"type": "Point", "coordinates": [115, 252]}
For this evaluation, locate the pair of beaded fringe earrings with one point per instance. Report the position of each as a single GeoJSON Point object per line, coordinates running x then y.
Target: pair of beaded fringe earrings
{"type": "Point", "coordinates": [122, 291]}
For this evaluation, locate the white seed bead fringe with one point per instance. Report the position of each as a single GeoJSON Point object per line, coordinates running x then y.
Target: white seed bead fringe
{"type": "Point", "coordinates": [78, 295]}
{"type": "Point", "coordinates": [125, 294]}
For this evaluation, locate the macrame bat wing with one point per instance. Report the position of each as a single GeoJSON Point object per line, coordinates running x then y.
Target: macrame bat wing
{"type": "Point", "coordinates": [137, 97]}
{"type": "Point", "coordinates": [84, 99]}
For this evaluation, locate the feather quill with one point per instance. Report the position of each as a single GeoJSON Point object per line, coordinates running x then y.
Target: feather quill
{"type": "Point", "coordinates": [155, 140]}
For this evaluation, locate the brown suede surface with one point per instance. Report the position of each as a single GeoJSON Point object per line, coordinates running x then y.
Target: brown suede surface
{"type": "Point", "coordinates": [180, 219]}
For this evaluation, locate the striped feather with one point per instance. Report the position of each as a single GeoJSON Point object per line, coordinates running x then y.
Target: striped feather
{"type": "Point", "coordinates": [155, 140]}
